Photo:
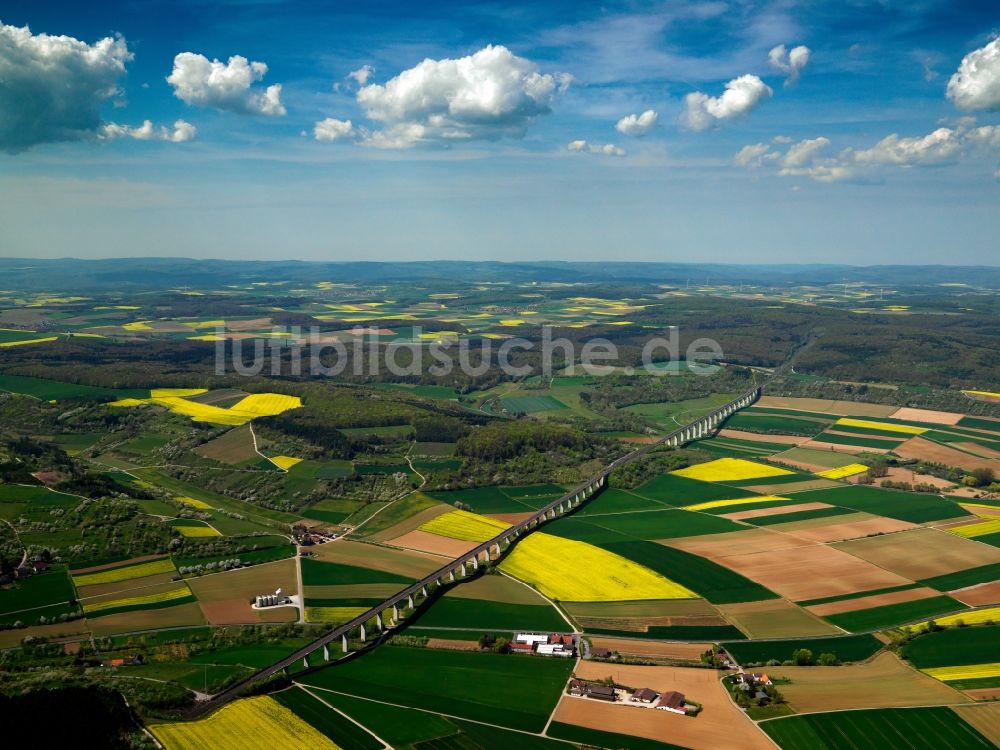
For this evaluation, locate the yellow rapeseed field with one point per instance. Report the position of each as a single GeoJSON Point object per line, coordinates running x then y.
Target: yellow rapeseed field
{"type": "Point", "coordinates": [737, 501]}
{"type": "Point", "coordinates": [460, 524]}
{"type": "Point", "coordinates": [197, 531]}
{"type": "Point", "coordinates": [178, 392]}
{"type": "Point", "coordinates": [843, 471]}
{"type": "Point", "coordinates": [885, 426]}
{"type": "Point", "coordinates": [969, 672]}
{"type": "Point", "coordinates": [114, 575]}
{"type": "Point", "coordinates": [285, 462]}
{"type": "Point", "coordinates": [981, 528]}
{"type": "Point", "coordinates": [248, 408]}
{"type": "Point", "coordinates": [333, 615]}
{"type": "Point", "coordinates": [988, 394]}
{"type": "Point", "coordinates": [972, 617]}
{"type": "Point", "coordinates": [199, 504]}
{"type": "Point", "coordinates": [568, 570]}
{"type": "Point", "coordinates": [259, 723]}
{"type": "Point", "coordinates": [138, 601]}
{"type": "Point", "coordinates": [730, 470]}
{"type": "Point", "coordinates": [28, 341]}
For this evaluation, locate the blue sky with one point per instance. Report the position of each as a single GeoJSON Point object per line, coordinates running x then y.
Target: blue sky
{"type": "Point", "coordinates": [876, 141]}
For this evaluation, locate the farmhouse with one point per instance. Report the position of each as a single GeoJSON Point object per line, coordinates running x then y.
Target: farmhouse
{"type": "Point", "coordinates": [672, 701]}
{"type": "Point", "coordinates": [531, 638]}
{"type": "Point", "coordinates": [644, 695]}
{"type": "Point", "coordinates": [602, 693]}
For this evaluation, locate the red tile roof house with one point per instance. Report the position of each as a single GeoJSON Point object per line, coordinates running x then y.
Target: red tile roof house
{"type": "Point", "coordinates": [565, 640]}
{"type": "Point", "coordinates": [602, 693]}
{"type": "Point", "coordinates": [526, 648]}
{"type": "Point", "coordinates": [645, 695]}
{"type": "Point", "coordinates": [672, 701]}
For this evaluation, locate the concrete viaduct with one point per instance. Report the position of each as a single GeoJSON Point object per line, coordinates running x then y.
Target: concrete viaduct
{"type": "Point", "coordinates": [389, 613]}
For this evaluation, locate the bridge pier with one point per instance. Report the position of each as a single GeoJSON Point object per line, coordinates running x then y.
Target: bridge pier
{"type": "Point", "coordinates": [305, 662]}
{"type": "Point", "coordinates": [423, 590]}
{"type": "Point", "coordinates": [326, 653]}
{"type": "Point", "coordinates": [475, 562]}
{"type": "Point", "coordinates": [463, 569]}
{"type": "Point", "coordinates": [451, 576]}
{"type": "Point", "coordinates": [343, 643]}
{"type": "Point", "coordinates": [363, 634]}
{"type": "Point", "coordinates": [378, 621]}
{"type": "Point", "coordinates": [409, 601]}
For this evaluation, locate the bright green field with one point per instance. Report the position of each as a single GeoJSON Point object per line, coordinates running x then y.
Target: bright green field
{"type": "Point", "coordinates": [319, 573]}
{"type": "Point", "coordinates": [674, 490]}
{"type": "Point", "coordinates": [530, 404]}
{"type": "Point", "coordinates": [903, 506]}
{"type": "Point", "coordinates": [955, 647]}
{"type": "Point", "coordinates": [714, 582]}
{"type": "Point", "coordinates": [459, 612]}
{"type": "Point", "coordinates": [846, 648]}
{"type": "Point", "coordinates": [936, 728]}
{"type": "Point", "coordinates": [344, 733]}
{"type": "Point", "coordinates": [460, 685]}
{"type": "Point", "coordinates": [963, 578]}
{"type": "Point", "coordinates": [895, 614]}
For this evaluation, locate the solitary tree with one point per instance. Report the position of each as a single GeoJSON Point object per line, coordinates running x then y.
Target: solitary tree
{"type": "Point", "coordinates": [803, 657]}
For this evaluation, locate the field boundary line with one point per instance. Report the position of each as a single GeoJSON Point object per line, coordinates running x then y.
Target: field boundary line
{"type": "Point", "coordinates": [876, 708]}
{"type": "Point", "coordinates": [436, 713]}
{"type": "Point", "coordinates": [307, 691]}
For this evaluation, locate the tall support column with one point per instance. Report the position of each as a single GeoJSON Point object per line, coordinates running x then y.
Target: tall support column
{"type": "Point", "coordinates": [326, 653]}
{"type": "Point", "coordinates": [363, 634]}
{"type": "Point", "coordinates": [451, 576]}
{"type": "Point", "coordinates": [305, 662]}
{"type": "Point", "coordinates": [409, 601]}
{"type": "Point", "coordinates": [378, 621]}
{"type": "Point", "coordinates": [423, 590]}
{"type": "Point", "coordinates": [343, 643]}
{"type": "Point", "coordinates": [463, 570]}
{"type": "Point", "coordinates": [497, 545]}
{"type": "Point", "coordinates": [475, 562]}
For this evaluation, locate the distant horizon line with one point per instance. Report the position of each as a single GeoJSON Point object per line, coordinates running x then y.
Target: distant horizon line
{"type": "Point", "coordinates": [542, 262]}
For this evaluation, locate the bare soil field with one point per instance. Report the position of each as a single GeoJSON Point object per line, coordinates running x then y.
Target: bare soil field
{"type": "Point", "coordinates": [763, 512]}
{"type": "Point", "coordinates": [927, 415]}
{"type": "Point", "coordinates": [154, 588]}
{"type": "Point", "coordinates": [835, 532]}
{"type": "Point", "coordinates": [652, 649]}
{"type": "Point", "coordinates": [248, 325]}
{"type": "Point", "coordinates": [883, 682]}
{"type": "Point", "coordinates": [231, 448]}
{"type": "Point", "coordinates": [149, 619]}
{"type": "Point", "coordinates": [656, 608]}
{"type": "Point", "coordinates": [411, 524]}
{"type": "Point", "coordinates": [980, 450]}
{"type": "Point", "coordinates": [839, 408]}
{"type": "Point", "coordinates": [811, 571]}
{"type": "Point", "coordinates": [497, 589]}
{"type": "Point", "coordinates": [413, 564]}
{"type": "Point", "coordinates": [120, 563]}
{"type": "Point", "coordinates": [12, 638]}
{"type": "Point", "coordinates": [978, 596]}
{"type": "Point", "coordinates": [235, 612]}
{"type": "Point", "coordinates": [729, 543]}
{"type": "Point", "coordinates": [900, 474]}
{"type": "Point", "coordinates": [813, 523]}
{"type": "Point", "coordinates": [424, 541]}
{"type": "Point", "coordinates": [805, 466]}
{"type": "Point", "coordinates": [985, 694]}
{"type": "Point", "coordinates": [761, 438]}
{"type": "Point", "coordinates": [921, 553]}
{"type": "Point", "coordinates": [869, 602]}
{"type": "Point", "coordinates": [925, 450]}
{"type": "Point", "coordinates": [720, 726]}
{"type": "Point", "coordinates": [775, 618]}
{"type": "Point", "coordinates": [226, 596]}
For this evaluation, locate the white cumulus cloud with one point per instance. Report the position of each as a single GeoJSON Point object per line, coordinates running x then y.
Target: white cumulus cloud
{"type": "Point", "coordinates": [940, 146]}
{"type": "Point", "coordinates": [201, 82]}
{"type": "Point", "coordinates": [599, 149]}
{"type": "Point", "coordinates": [637, 125]}
{"type": "Point", "coordinates": [52, 87]}
{"type": "Point", "coordinates": [791, 62]}
{"type": "Point", "coordinates": [742, 95]}
{"type": "Point", "coordinates": [976, 83]}
{"type": "Point", "coordinates": [361, 75]}
{"type": "Point", "coordinates": [182, 132]}
{"type": "Point", "coordinates": [807, 158]}
{"type": "Point", "coordinates": [333, 130]}
{"type": "Point", "coordinates": [489, 95]}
